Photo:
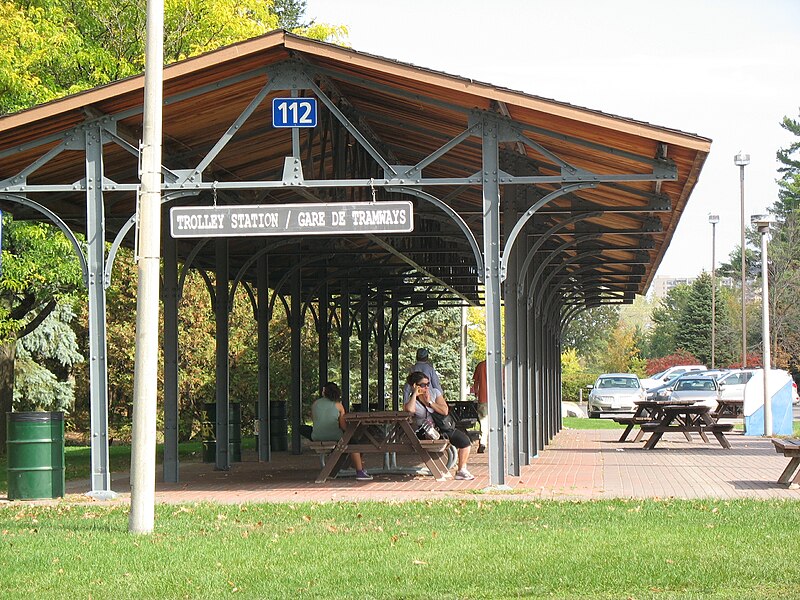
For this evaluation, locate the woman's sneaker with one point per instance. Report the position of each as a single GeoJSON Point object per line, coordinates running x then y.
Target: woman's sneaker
{"type": "Point", "coordinates": [464, 474]}
{"type": "Point", "coordinates": [363, 476]}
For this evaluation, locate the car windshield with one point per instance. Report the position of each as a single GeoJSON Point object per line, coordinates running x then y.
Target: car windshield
{"type": "Point", "coordinates": [659, 375]}
{"type": "Point", "coordinates": [618, 382]}
{"type": "Point", "coordinates": [695, 385]}
{"type": "Point", "coordinates": [734, 379]}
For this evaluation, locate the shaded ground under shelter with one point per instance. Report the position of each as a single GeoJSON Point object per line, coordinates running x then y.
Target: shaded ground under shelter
{"type": "Point", "coordinates": [544, 207]}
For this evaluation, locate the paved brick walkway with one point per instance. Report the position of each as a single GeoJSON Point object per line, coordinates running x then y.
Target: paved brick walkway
{"type": "Point", "coordinates": [579, 464]}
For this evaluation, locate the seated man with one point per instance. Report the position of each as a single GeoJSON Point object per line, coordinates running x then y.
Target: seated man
{"type": "Point", "coordinates": [327, 413]}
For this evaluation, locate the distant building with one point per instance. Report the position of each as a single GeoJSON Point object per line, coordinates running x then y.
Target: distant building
{"type": "Point", "coordinates": [662, 285]}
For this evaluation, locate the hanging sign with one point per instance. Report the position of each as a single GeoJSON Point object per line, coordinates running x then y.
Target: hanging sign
{"type": "Point", "coordinates": [294, 112]}
{"type": "Point", "coordinates": [286, 219]}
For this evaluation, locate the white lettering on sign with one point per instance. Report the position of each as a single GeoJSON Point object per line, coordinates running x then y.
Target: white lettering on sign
{"type": "Point", "coordinates": [311, 219]}
{"type": "Point", "coordinates": [379, 217]}
{"type": "Point", "coordinates": [256, 220]}
{"type": "Point", "coordinates": [281, 219]}
{"type": "Point", "coordinates": [207, 221]}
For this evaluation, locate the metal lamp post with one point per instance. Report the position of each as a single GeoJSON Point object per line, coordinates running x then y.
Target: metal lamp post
{"type": "Point", "coordinates": [763, 223]}
{"type": "Point", "coordinates": [741, 161]}
{"type": "Point", "coordinates": [713, 219]}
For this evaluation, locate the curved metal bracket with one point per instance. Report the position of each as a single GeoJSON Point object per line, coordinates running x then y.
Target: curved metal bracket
{"type": "Point", "coordinates": [112, 252]}
{"type": "Point", "coordinates": [253, 259]}
{"type": "Point", "coordinates": [523, 220]}
{"type": "Point", "coordinates": [476, 251]}
{"type": "Point", "coordinates": [534, 300]}
{"type": "Point", "coordinates": [188, 263]}
{"type": "Point", "coordinates": [556, 252]}
{"type": "Point", "coordinates": [538, 244]}
{"type": "Point", "coordinates": [288, 273]}
{"type": "Point", "coordinates": [60, 224]}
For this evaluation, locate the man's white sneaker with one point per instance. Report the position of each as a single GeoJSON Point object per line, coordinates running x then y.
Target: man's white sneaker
{"type": "Point", "coordinates": [464, 474]}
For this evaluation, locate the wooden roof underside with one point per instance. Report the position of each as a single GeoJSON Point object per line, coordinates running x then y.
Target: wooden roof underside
{"type": "Point", "coordinates": [406, 113]}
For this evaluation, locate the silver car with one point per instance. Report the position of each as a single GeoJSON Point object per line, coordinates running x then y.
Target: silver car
{"type": "Point", "coordinates": [615, 393]}
{"type": "Point", "coordinates": [699, 389]}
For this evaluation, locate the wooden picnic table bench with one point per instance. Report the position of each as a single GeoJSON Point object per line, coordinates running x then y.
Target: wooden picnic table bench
{"type": "Point", "coordinates": [729, 408]}
{"type": "Point", "coordinates": [647, 411]}
{"type": "Point", "coordinates": [382, 432]}
{"type": "Point", "coordinates": [789, 447]}
{"type": "Point", "coordinates": [435, 447]}
{"type": "Point", "coordinates": [684, 418]}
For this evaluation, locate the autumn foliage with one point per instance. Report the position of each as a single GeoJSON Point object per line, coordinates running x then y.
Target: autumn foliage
{"type": "Point", "coordinates": [680, 357]}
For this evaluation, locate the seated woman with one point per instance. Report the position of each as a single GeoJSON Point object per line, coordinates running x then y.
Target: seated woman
{"type": "Point", "coordinates": [423, 399]}
{"type": "Point", "coordinates": [327, 413]}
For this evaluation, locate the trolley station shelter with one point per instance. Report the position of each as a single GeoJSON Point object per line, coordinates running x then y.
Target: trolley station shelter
{"type": "Point", "coordinates": [515, 200]}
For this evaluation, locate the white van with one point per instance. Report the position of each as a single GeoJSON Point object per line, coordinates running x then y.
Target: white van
{"type": "Point", "coordinates": [668, 374]}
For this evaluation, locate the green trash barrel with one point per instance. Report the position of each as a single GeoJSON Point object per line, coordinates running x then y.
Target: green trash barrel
{"type": "Point", "coordinates": [278, 425]}
{"type": "Point", "coordinates": [209, 432]}
{"type": "Point", "coordinates": [235, 432]}
{"type": "Point", "coordinates": [35, 444]}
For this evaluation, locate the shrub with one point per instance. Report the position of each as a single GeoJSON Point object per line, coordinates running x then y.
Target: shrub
{"type": "Point", "coordinates": [681, 357]}
{"type": "Point", "coordinates": [573, 382]}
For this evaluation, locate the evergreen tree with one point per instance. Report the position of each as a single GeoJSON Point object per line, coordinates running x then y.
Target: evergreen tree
{"type": "Point", "coordinates": [39, 269]}
{"type": "Point", "coordinates": [789, 182]}
{"type": "Point", "coordinates": [784, 256]}
{"type": "Point", "coordinates": [661, 341]}
{"type": "Point", "coordinates": [45, 357]}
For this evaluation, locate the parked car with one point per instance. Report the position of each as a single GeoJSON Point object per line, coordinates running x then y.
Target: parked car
{"type": "Point", "coordinates": [731, 386]}
{"type": "Point", "coordinates": [668, 374]}
{"type": "Point", "coordinates": [715, 373]}
{"type": "Point", "coordinates": [661, 392]}
{"type": "Point", "coordinates": [614, 393]}
{"type": "Point", "coordinates": [699, 389]}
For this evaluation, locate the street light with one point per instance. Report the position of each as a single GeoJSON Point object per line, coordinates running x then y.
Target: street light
{"type": "Point", "coordinates": [741, 161]}
{"type": "Point", "coordinates": [713, 219]}
{"type": "Point", "coordinates": [763, 223]}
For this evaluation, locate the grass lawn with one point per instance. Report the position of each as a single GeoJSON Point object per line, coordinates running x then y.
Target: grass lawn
{"type": "Point", "coordinates": [443, 549]}
{"type": "Point", "coordinates": [579, 423]}
{"type": "Point", "coordinates": [77, 459]}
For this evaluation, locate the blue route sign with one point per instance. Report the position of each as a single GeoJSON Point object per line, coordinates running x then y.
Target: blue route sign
{"type": "Point", "coordinates": [294, 112]}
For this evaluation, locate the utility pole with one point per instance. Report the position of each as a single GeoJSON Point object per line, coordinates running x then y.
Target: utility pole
{"type": "Point", "coordinates": [145, 375]}
{"type": "Point", "coordinates": [741, 160]}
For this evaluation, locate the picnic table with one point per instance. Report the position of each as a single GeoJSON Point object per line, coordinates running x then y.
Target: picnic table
{"type": "Point", "coordinates": [647, 411]}
{"type": "Point", "coordinates": [686, 418]}
{"type": "Point", "coordinates": [384, 432]}
{"type": "Point", "coordinates": [730, 408]}
{"type": "Point", "coordinates": [790, 448]}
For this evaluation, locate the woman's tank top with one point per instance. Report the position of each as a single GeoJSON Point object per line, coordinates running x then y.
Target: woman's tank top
{"type": "Point", "coordinates": [325, 415]}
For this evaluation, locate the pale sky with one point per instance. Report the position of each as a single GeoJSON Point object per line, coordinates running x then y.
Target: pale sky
{"type": "Point", "coordinates": [727, 70]}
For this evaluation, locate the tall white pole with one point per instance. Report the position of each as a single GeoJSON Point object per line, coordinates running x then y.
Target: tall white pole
{"type": "Point", "coordinates": [463, 371]}
{"type": "Point", "coordinates": [145, 377]}
{"type": "Point", "coordinates": [744, 272]}
{"type": "Point", "coordinates": [741, 160]}
{"type": "Point", "coordinates": [713, 219]}
{"type": "Point", "coordinates": [765, 332]}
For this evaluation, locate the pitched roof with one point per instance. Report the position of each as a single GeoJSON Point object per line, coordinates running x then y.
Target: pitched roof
{"type": "Point", "coordinates": [406, 112]}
